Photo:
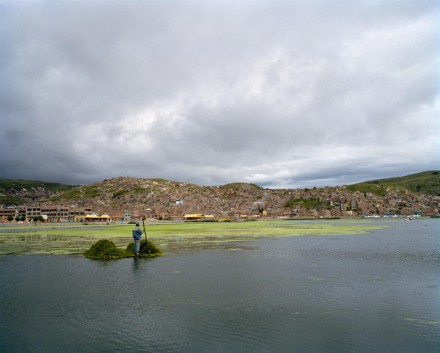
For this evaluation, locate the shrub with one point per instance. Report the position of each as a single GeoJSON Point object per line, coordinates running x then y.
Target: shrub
{"type": "Point", "coordinates": [91, 191]}
{"type": "Point", "coordinates": [119, 193]}
{"type": "Point", "coordinates": [308, 204]}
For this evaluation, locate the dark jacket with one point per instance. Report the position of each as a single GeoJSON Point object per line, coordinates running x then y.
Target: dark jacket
{"type": "Point", "coordinates": [137, 233]}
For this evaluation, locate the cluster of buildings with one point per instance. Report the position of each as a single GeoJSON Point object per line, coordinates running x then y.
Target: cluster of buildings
{"type": "Point", "coordinates": [127, 199]}
{"type": "Point", "coordinates": [52, 214]}
{"type": "Point", "coordinates": [341, 202]}
{"type": "Point", "coordinates": [61, 214]}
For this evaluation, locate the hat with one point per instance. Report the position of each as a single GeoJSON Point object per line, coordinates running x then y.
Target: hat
{"type": "Point", "coordinates": [137, 224]}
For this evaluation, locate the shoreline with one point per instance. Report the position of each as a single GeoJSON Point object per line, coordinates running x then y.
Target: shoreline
{"type": "Point", "coordinates": [76, 239]}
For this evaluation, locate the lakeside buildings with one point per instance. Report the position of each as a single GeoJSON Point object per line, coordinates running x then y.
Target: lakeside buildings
{"type": "Point", "coordinates": [114, 202]}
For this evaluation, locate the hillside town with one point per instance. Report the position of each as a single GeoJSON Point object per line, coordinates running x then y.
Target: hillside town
{"type": "Point", "coordinates": [128, 199]}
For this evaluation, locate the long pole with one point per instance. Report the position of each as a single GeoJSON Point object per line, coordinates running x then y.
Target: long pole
{"type": "Point", "coordinates": [146, 241]}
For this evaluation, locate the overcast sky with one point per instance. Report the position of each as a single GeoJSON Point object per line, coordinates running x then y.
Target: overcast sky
{"type": "Point", "coordinates": [277, 93]}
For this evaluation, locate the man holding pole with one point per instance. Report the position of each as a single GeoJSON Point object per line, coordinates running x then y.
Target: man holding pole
{"type": "Point", "coordinates": [137, 234]}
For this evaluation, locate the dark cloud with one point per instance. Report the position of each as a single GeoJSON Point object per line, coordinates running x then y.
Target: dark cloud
{"type": "Point", "coordinates": [280, 93]}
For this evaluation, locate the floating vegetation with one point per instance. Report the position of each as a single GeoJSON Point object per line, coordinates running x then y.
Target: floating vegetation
{"type": "Point", "coordinates": [422, 322]}
{"type": "Point", "coordinates": [77, 238]}
{"type": "Point", "coordinates": [106, 250]}
{"type": "Point", "coordinates": [145, 251]}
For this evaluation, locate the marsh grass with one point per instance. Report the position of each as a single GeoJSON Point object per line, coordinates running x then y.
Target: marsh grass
{"type": "Point", "coordinates": [76, 239]}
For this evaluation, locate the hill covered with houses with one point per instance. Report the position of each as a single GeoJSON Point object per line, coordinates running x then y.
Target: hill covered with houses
{"type": "Point", "coordinates": [124, 198]}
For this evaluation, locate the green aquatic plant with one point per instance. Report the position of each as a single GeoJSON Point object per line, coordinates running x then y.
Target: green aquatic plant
{"type": "Point", "coordinates": [76, 238]}
{"type": "Point", "coordinates": [145, 251]}
{"type": "Point", "coordinates": [105, 250]}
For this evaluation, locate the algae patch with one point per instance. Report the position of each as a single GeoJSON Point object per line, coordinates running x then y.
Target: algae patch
{"type": "Point", "coordinates": [106, 250]}
{"type": "Point", "coordinates": [422, 322]}
{"type": "Point", "coordinates": [77, 238]}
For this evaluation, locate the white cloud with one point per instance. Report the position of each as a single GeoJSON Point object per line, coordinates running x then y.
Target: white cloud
{"type": "Point", "coordinates": [271, 92]}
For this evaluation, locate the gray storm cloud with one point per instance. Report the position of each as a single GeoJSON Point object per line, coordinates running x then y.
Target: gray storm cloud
{"type": "Point", "coordinates": [282, 94]}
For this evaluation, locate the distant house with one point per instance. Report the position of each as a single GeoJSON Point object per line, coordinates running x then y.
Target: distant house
{"type": "Point", "coordinates": [197, 217]}
{"type": "Point", "coordinates": [92, 218]}
{"type": "Point", "coordinates": [193, 217]}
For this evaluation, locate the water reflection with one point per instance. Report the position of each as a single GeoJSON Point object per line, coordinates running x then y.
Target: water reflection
{"type": "Point", "coordinates": [136, 262]}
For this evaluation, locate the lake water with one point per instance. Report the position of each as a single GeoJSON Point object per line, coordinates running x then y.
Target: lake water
{"type": "Point", "coordinates": [374, 292]}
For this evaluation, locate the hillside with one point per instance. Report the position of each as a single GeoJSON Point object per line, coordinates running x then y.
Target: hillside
{"type": "Point", "coordinates": [16, 192]}
{"type": "Point", "coordinates": [427, 183]}
{"type": "Point", "coordinates": [160, 198]}
{"type": "Point", "coordinates": [160, 195]}
{"type": "Point", "coordinates": [124, 189]}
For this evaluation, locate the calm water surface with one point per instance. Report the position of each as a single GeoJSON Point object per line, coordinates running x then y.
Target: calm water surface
{"type": "Point", "coordinates": [376, 292]}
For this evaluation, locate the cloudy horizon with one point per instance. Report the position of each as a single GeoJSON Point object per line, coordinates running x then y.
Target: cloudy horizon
{"type": "Point", "coordinates": [276, 93]}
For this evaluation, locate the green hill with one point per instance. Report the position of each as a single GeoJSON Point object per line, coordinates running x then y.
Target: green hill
{"type": "Point", "coordinates": [425, 182]}
{"type": "Point", "coordinates": [238, 186]}
{"type": "Point", "coordinates": [16, 191]}
{"type": "Point", "coordinates": [118, 192]}
{"type": "Point", "coordinates": [17, 184]}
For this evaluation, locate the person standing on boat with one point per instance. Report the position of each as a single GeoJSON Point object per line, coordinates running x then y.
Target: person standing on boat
{"type": "Point", "coordinates": [137, 234]}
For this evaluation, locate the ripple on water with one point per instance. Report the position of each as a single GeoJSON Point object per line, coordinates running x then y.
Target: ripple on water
{"type": "Point", "coordinates": [374, 292]}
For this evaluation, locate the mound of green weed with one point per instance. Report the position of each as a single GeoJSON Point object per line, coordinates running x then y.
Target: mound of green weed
{"type": "Point", "coordinates": [105, 250]}
{"type": "Point", "coordinates": [153, 250]}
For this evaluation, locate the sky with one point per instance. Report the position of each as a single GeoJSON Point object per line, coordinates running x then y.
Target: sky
{"type": "Point", "coordinates": [283, 94]}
